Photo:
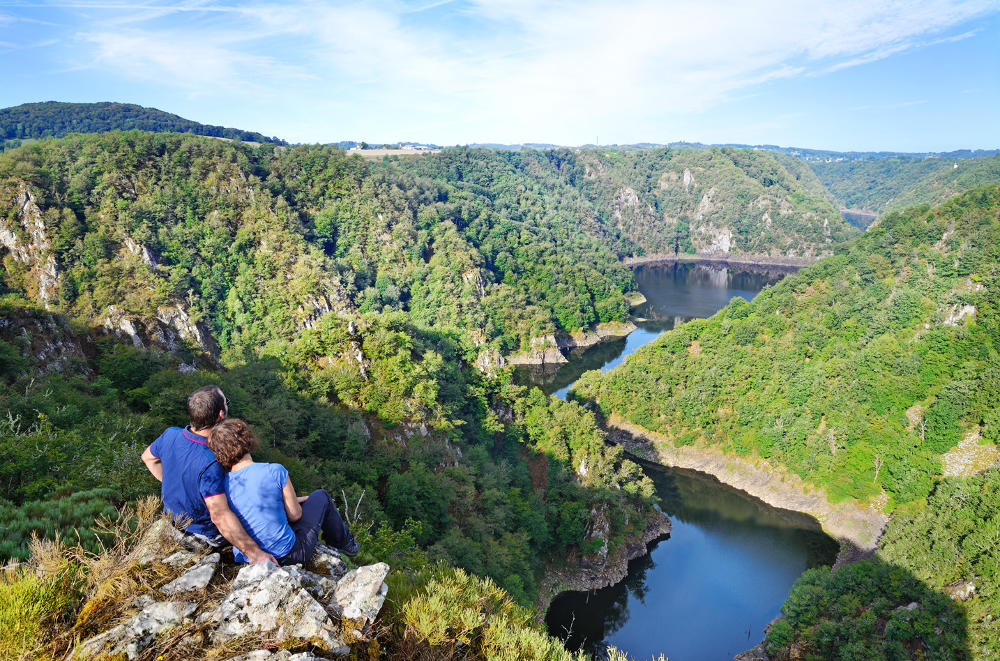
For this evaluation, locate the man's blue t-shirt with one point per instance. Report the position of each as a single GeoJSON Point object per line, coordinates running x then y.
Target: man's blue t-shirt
{"type": "Point", "coordinates": [191, 474]}
{"type": "Point", "coordinates": [254, 494]}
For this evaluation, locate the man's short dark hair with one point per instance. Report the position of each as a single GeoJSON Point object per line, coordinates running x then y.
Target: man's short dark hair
{"type": "Point", "coordinates": [204, 406]}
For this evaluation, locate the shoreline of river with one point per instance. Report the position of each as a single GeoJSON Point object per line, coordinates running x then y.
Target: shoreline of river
{"type": "Point", "coordinates": [549, 351]}
{"type": "Point", "coordinates": [581, 577]}
{"type": "Point", "coordinates": [725, 258]}
{"type": "Point", "coordinates": [857, 529]}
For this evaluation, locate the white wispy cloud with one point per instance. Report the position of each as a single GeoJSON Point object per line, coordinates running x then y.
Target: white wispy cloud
{"type": "Point", "coordinates": [536, 70]}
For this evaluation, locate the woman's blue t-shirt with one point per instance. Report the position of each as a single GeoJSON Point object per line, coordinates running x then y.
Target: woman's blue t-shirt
{"type": "Point", "coordinates": [254, 494]}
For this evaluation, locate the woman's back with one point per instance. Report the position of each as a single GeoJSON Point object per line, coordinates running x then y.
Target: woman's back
{"type": "Point", "coordinates": [254, 494]}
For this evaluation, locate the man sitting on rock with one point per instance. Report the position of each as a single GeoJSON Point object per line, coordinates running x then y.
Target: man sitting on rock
{"type": "Point", "coordinates": [193, 481]}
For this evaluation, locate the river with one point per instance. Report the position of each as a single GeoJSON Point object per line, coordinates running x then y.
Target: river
{"type": "Point", "coordinates": [707, 590]}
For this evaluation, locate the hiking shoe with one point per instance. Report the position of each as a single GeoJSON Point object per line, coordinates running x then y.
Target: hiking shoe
{"type": "Point", "coordinates": [350, 547]}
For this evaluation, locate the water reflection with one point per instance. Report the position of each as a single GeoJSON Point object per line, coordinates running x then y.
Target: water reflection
{"type": "Point", "coordinates": [730, 561]}
{"type": "Point", "coordinates": [708, 592]}
{"type": "Point", "coordinates": [674, 294]}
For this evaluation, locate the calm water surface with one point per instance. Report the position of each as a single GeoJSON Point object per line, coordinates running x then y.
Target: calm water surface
{"type": "Point", "coordinates": [674, 293]}
{"type": "Point", "coordinates": [708, 590]}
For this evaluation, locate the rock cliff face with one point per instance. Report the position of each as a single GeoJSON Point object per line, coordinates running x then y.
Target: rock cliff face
{"type": "Point", "coordinates": [603, 567]}
{"type": "Point", "coordinates": [25, 239]}
{"type": "Point", "coordinates": [715, 202]}
{"type": "Point", "coordinates": [171, 329]}
{"type": "Point", "coordinates": [551, 350]}
{"type": "Point", "coordinates": [319, 610]}
{"type": "Point", "coordinates": [48, 340]}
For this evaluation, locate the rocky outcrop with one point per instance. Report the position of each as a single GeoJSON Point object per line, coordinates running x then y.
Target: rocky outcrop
{"type": "Point", "coordinates": [856, 527]}
{"type": "Point", "coordinates": [171, 329]}
{"type": "Point", "coordinates": [544, 352]}
{"type": "Point", "coordinates": [601, 332]}
{"type": "Point", "coordinates": [490, 362]}
{"type": "Point", "coordinates": [318, 610]}
{"type": "Point", "coordinates": [131, 637]}
{"type": "Point", "coordinates": [602, 567]}
{"type": "Point", "coordinates": [46, 339]}
{"type": "Point", "coordinates": [333, 299]}
{"type": "Point", "coordinates": [25, 238]}
{"type": "Point", "coordinates": [142, 252]}
{"type": "Point", "coordinates": [551, 350]}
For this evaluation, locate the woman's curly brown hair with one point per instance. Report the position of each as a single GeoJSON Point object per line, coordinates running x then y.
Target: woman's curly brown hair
{"type": "Point", "coordinates": [231, 440]}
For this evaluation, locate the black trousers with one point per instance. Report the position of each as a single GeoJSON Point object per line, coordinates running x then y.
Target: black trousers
{"type": "Point", "coordinates": [319, 514]}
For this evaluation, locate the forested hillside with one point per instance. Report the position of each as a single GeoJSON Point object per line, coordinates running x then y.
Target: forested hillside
{"type": "Point", "coordinates": [54, 119]}
{"type": "Point", "coordinates": [256, 244]}
{"type": "Point", "coordinates": [857, 373]}
{"type": "Point", "coordinates": [898, 182]}
{"type": "Point", "coordinates": [339, 305]}
{"type": "Point", "coordinates": [662, 201]}
{"type": "Point", "coordinates": [931, 592]}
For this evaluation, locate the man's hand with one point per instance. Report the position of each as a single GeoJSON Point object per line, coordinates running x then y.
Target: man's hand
{"type": "Point", "coordinates": [231, 528]}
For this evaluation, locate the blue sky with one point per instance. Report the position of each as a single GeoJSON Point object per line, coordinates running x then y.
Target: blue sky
{"type": "Point", "coordinates": [906, 75]}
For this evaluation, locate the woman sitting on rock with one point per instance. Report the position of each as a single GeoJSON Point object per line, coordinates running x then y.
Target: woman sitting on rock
{"type": "Point", "coordinates": [262, 496]}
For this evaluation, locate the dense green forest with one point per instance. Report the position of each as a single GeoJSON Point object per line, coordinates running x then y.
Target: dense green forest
{"type": "Point", "coordinates": [898, 182]}
{"type": "Point", "coordinates": [857, 373]}
{"type": "Point", "coordinates": [657, 201]}
{"type": "Point", "coordinates": [54, 119]}
{"type": "Point", "coordinates": [898, 605]}
{"type": "Point", "coordinates": [259, 242]}
{"type": "Point", "coordinates": [343, 304]}
{"type": "Point", "coordinates": [486, 483]}
{"type": "Point", "coordinates": [346, 302]}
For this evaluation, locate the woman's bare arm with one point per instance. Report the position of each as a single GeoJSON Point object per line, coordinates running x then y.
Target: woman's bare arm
{"type": "Point", "coordinates": [293, 508]}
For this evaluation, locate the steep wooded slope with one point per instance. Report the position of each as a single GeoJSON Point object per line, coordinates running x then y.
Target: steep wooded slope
{"type": "Point", "coordinates": [857, 373]}
{"type": "Point", "coordinates": [931, 592]}
{"type": "Point", "coordinates": [339, 305]}
{"type": "Point", "coordinates": [739, 201]}
{"type": "Point", "coordinates": [895, 183]}
{"type": "Point", "coordinates": [255, 244]}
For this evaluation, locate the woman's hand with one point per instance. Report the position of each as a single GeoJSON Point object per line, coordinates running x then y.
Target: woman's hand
{"type": "Point", "coordinates": [302, 499]}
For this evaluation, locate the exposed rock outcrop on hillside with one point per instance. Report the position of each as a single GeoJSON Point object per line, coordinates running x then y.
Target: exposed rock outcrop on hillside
{"type": "Point", "coordinates": [318, 611]}
{"type": "Point", "coordinates": [551, 350]}
{"type": "Point", "coordinates": [25, 239]}
{"type": "Point", "coordinates": [172, 329]}
{"type": "Point", "coordinates": [605, 566]}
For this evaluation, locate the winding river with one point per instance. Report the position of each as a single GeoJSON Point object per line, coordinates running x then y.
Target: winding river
{"type": "Point", "coordinates": [707, 590]}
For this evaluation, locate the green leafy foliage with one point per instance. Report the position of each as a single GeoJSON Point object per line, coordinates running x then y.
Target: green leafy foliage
{"type": "Point", "coordinates": [457, 616]}
{"type": "Point", "coordinates": [410, 439]}
{"type": "Point", "coordinates": [863, 611]}
{"type": "Point", "coordinates": [54, 119]}
{"type": "Point", "coordinates": [896, 606]}
{"type": "Point", "coordinates": [856, 373]}
{"type": "Point", "coordinates": [255, 243]}
{"type": "Point", "coordinates": [658, 201]}
{"type": "Point", "coordinates": [898, 182]}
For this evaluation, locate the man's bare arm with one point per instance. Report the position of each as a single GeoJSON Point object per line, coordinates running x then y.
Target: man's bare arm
{"type": "Point", "coordinates": [153, 463]}
{"type": "Point", "coordinates": [232, 529]}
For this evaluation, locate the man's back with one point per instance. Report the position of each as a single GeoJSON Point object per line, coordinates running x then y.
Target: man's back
{"type": "Point", "coordinates": [190, 474]}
